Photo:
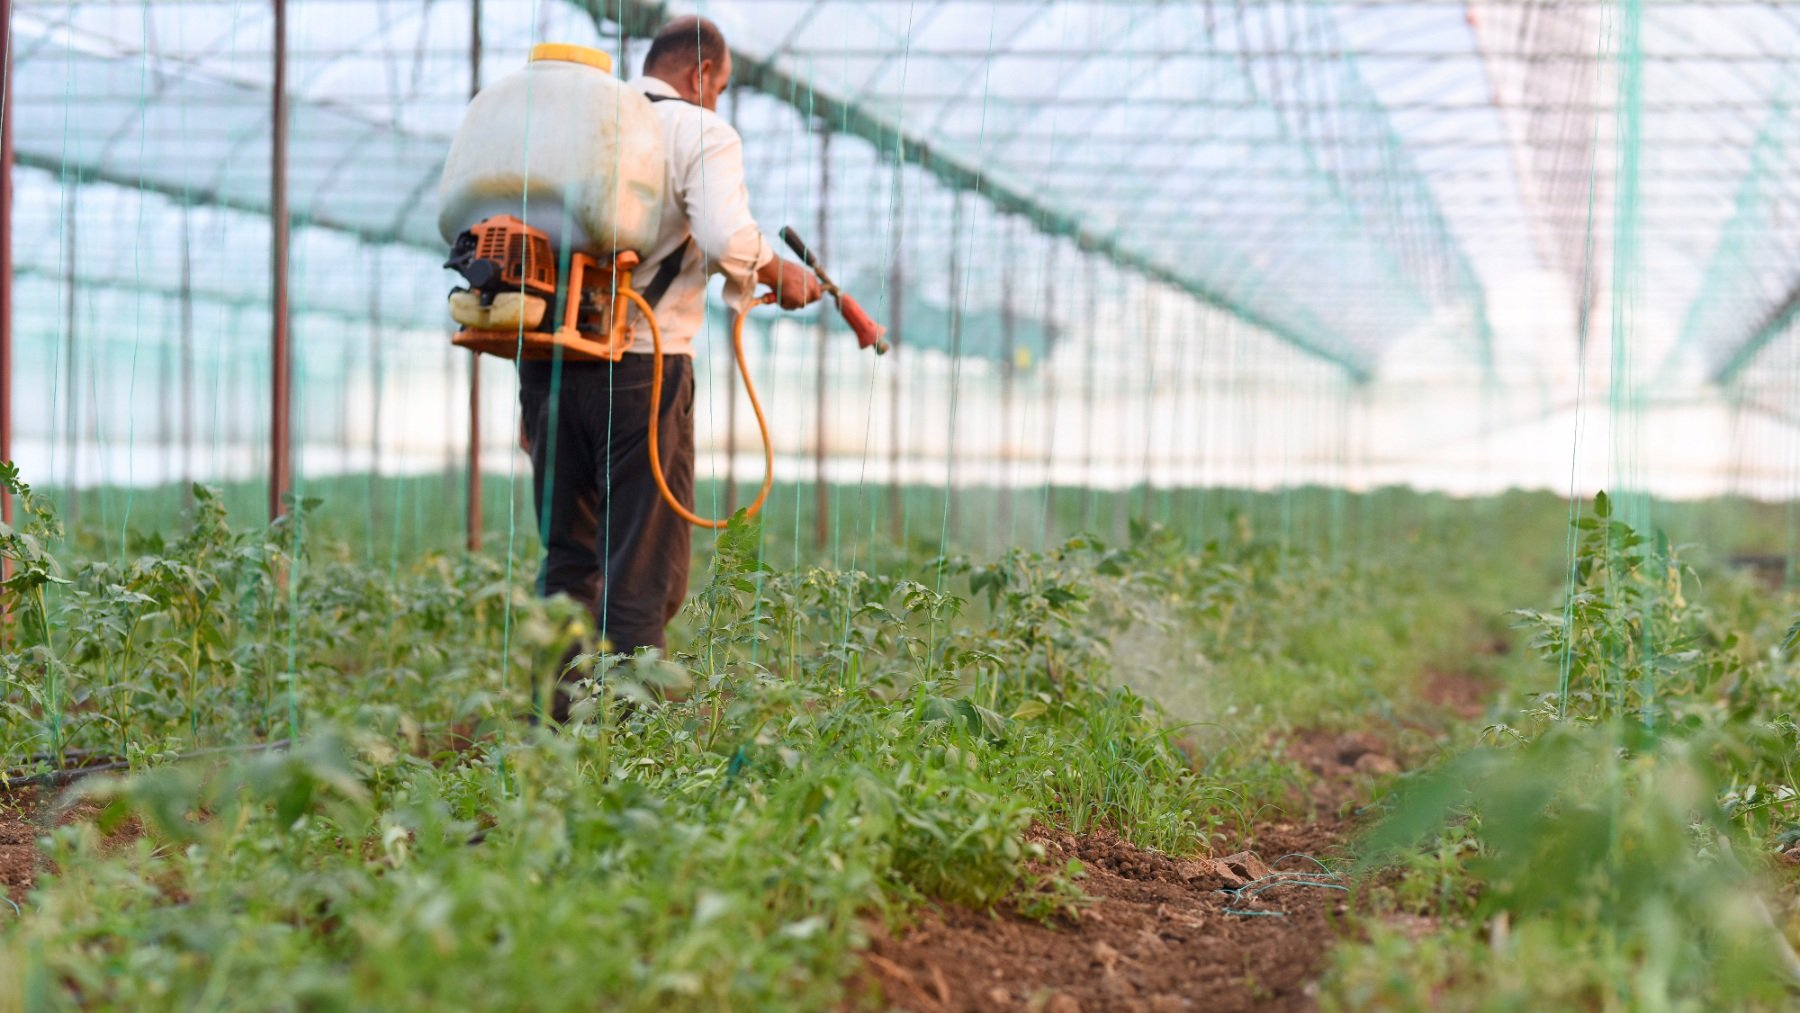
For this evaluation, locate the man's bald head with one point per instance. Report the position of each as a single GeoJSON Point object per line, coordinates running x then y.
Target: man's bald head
{"type": "Point", "coordinates": [683, 45]}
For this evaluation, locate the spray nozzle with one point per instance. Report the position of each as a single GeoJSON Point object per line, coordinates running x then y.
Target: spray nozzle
{"type": "Point", "coordinates": [869, 334]}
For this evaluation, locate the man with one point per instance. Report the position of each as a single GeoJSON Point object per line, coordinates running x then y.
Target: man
{"type": "Point", "coordinates": [610, 541]}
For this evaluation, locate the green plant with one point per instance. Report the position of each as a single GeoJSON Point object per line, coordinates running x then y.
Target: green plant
{"type": "Point", "coordinates": [1621, 811]}
{"type": "Point", "coordinates": [820, 745]}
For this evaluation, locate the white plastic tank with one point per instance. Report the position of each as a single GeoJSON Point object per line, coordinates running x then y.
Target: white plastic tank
{"type": "Point", "coordinates": [588, 148]}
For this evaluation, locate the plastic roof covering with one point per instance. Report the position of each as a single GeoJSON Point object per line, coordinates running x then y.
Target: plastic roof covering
{"type": "Point", "coordinates": [1348, 172]}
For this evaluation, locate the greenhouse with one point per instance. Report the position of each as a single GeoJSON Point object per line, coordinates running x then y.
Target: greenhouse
{"type": "Point", "coordinates": [899, 504]}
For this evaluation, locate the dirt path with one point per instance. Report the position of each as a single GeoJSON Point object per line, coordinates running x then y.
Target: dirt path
{"type": "Point", "coordinates": [1166, 934]}
{"type": "Point", "coordinates": [23, 815]}
{"type": "Point", "coordinates": [18, 844]}
{"type": "Point", "coordinates": [1163, 934]}
{"type": "Point", "coordinates": [1160, 936]}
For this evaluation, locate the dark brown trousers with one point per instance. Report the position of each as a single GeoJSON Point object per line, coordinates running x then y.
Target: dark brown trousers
{"type": "Point", "coordinates": [610, 542]}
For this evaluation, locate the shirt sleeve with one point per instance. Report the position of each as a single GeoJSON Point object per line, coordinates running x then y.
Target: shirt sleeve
{"type": "Point", "coordinates": [718, 211]}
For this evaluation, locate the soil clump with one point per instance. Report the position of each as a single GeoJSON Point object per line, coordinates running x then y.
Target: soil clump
{"type": "Point", "coordinates": [1461, 695]}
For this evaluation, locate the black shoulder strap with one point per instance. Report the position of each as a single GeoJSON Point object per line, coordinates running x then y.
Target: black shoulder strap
{"type": "Point", "coordinates": [671, 265]}
{"type": "Point", "coordinates": [665, 273]}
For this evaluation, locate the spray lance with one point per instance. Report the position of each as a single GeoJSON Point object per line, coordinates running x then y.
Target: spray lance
{"type": "Point", "coordinates": [868, 332]}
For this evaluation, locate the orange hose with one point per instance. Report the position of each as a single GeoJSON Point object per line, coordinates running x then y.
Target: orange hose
{"type": "Point", "coordinates": [656, 376]}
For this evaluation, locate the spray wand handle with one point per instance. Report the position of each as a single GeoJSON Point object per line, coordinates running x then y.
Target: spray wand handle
{"type": "Point", "coordinates": [801, 250]}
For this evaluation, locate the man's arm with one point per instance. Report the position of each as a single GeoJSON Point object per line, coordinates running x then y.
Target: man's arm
{"type": "Point", "coordinates": [718, 209]}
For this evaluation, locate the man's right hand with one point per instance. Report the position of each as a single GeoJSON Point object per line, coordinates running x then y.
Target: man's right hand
{"type": "Point", "coordinates": [795, 285]}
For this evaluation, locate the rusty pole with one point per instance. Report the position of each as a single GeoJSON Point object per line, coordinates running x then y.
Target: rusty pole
{"type": "Point", "coordinates": [72, 348]}
{"type": "Point", "coordinates": [1047, 371]}
{"type": "Point", "coordinates": [376, 382]}
{"type": "Point", "coordinates": [821, 494]}
{"type": "Point", "coordinates": [6, 265]}
{"type": "Point", "coordinates": [896, 315]}
{"type": "Point", "coordinates": [165, 380]}
{"type": "Point", "coordinates": [474, 535]}
{"type": "Point", "coordinates": [280, 462]}
{"type": "Point", "coordinates": [1008, 373]}
{"type": "Point", "coordinates": [6, 277]}
{"type": "Point", "coordinates": [727, 370]}
{"type": "Point", "coordinates": [950, 469]}
{"type": "Point", "coordinates": [730, 382]}
{"type": "Point", "coordinates": [1090, 390]}
{"type": "Point", "coordinates": [187, 360]}
{"type": "Point", "coordinates": [1148, 311]}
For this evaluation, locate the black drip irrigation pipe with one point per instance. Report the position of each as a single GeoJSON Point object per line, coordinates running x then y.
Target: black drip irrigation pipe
{"type": "Point", "coordinates": [69, 775]}
{"type": "Point", "coordinates": [102, 762]}
{"type": "Point", "coordinates": [96, 755]}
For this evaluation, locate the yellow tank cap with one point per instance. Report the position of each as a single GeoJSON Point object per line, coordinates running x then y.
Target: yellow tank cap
{"type": "Point", "coordinates": [569, 53]}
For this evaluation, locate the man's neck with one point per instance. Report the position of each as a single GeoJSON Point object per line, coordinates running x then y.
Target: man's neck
{"type": "Point", "coordinates": [676, 88]}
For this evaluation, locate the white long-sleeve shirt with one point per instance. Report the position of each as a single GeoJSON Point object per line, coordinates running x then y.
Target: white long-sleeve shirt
{"type": "Point", "coordinates": [705, 197]}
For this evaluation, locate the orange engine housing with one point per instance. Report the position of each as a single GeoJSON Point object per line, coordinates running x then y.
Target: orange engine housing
{"type": "Point", "coordinates": [502, 257]}
{"type": "Point", "coordinates": [503, 253]}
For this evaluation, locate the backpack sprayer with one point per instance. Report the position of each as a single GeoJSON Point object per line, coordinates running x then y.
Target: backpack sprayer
{"type": "Point", "coordinates": [566, 143]}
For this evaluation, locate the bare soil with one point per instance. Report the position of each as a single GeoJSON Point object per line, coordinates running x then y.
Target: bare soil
{"type": "Point", "coordinates": [1162, 933]}
{"type": "Point", "coordinates": [26, 814]}
{"type": "Point", "coordinates": [1159, 936]}
{"type": "Point", "coordinates": [1344, 766]}
{"type": "Point", "coordinates": [1459, 694]}
{"type": "Point", "coordinates": [18, 844]}
{"type": "Point", "coordinates": [1166, 933]}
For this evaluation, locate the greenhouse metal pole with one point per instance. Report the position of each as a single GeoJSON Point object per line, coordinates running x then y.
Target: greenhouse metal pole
{"type": "Point", "coordinates": [474, 494]}
{"type": "Point", "coordinates": [166, 352]}
{"type": "Point", "coordinates": [731, 430]}
{"type": "Point", "coordinates": [896, 314]}
{"type": "Point", "coordinates": [187, 359]}
{"type": "Point", "coordinates": [72, 348]}
{"type": "Point", "coordinates": [950, 469]}
{"type": "Point", "coordinates": [376, 382]}
{"type": "Point", "coordinates": [1048, 308]}
{"type": "Point", "coordinates": [822, 496]}
{"type": "Point", "coordinates": [6, 262]}
{"type": "Point", "coordinates": [725, 350]}
{"type": "Point", "coordinates": [1090, 391]}
{"type": "Point", "coordinates": [1008, 375]}
{"type": "Point", "coordinates": [6, 279]}
{"type": "Point", "coordinates": [280, 466]}
{"type": "Point", "coordinates": [1150, 321]}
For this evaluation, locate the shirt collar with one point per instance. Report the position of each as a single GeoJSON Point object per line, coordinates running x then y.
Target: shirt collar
{"type": "Point", "coordinates": [656, 86]}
